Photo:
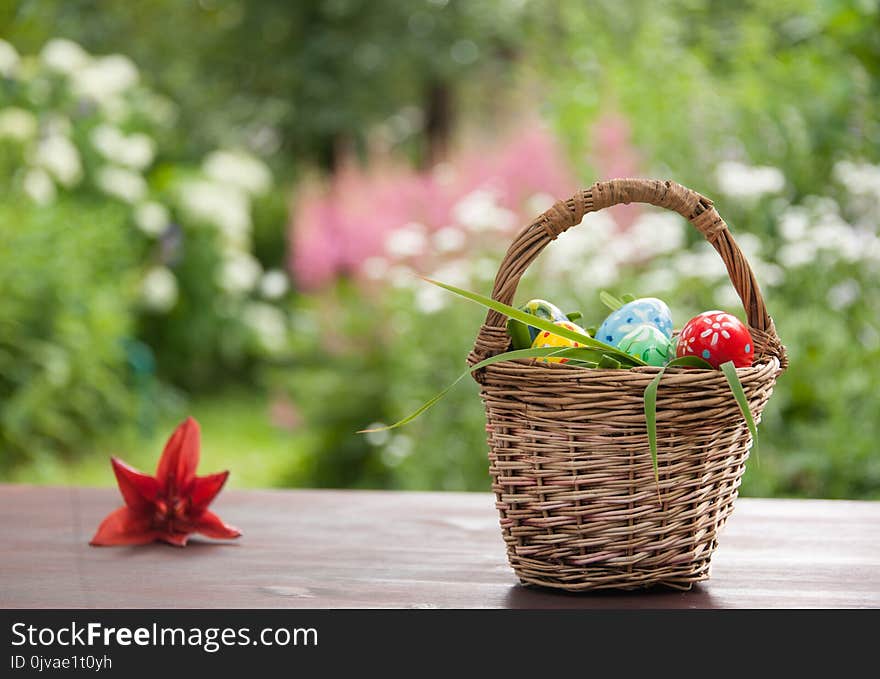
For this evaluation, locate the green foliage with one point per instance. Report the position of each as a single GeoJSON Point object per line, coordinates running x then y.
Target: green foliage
{"type": "Point", "coordinates": [66, 280]}
{"type": "Point", "coordinates": [295, 77]}
{"type": "Point", "coordinates": [791, 83]}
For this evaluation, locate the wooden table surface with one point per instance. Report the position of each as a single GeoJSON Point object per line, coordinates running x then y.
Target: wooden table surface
{"type": "Point", "coordinates": [368, 549]}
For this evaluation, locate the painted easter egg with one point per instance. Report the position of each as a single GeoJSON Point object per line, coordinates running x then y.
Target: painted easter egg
{"type": "Point", "coordinates": [524, 335]}
{"type": "Point", "coordinates": [548, 339]}
{"type": "Point", "coordinates": [646, 310]}
{"type": "Point", "coordinates": [649, 344]}
{"type": "Point", "coordinates": [717, 337]}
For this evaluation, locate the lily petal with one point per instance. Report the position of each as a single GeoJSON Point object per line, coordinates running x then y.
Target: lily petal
{"type": "Point", "coordinates": [177, 466]}
{"type": "Point", "coordinates": [176, 539]}
{"type": "Point", "coordinates": [212, 526]}
{"type": "Point", "coordinates": [139, 490]}
{"type": "Point", "coordinates": [204, 490]}
{"type": "Point", "coordinates": [124, 527]}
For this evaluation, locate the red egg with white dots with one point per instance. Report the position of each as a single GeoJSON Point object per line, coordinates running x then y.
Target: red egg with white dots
{"type": "Point", "coordinates": [717, 337]}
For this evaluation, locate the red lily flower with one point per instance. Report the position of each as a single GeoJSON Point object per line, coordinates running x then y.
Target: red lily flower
{"type": "Point", "coordinates": [170, 505]}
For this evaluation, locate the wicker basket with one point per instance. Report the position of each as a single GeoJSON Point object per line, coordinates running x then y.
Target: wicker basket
{"type": "Point", "coordinates": [568, 447]}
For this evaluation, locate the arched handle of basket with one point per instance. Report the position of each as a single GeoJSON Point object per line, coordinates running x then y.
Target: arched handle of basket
{"type": "Point", "coordinates": [697, 209]}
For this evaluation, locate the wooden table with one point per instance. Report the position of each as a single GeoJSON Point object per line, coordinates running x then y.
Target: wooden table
{"type": "Point", "coordinates": [366, 549]}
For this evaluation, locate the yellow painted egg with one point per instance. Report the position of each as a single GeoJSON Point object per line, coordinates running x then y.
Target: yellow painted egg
{"type": "Point", "coordinates": [548, 339]}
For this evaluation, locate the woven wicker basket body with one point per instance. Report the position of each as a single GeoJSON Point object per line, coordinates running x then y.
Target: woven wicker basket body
{"type": "Point", "coordinates": [568, 447]}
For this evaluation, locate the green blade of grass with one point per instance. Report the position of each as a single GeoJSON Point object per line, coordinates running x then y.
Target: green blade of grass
{"type": "Point", "coordinates": [539, 323]}
{"type": "Point", "coordinates": [610, 300]}
{"type": "Point", "coordinates": [690, 362]}
{"type": "Point", "coordinates": [577, 355]}
{"type": "Point", "coordinates": [519, 334]}
{"type": "Point", "coordinates": [739, 394]}
{"type": "Point", "coordinates": [608, 362]}
{"type": "Point", "coordinates": [650, 403]}
{"type": "Point", "coordinates": [650, 399]}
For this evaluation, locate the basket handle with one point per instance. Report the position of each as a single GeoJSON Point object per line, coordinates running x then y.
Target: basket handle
{"type": "Point", "coordinates": [697, 209]}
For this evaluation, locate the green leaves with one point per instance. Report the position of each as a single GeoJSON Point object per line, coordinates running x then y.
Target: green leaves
{"type": "Point", "coordinates": [540, 323]}
{"type": "Point", "coordinates": [608, 362]}
{"type": "Point", "coordinates": [650, 401]}
{"type": "Point", "coordinates": [614, 303]}
{"type": "Point", "coordinates": [609, 300]}
{"type": "Point", "coordinates": [739, 394]}
{"type": "Point", "coordinates": [519, 334]}
{"type": "Point", "coordinates": [577, 356]}
{"type": "Point", "coordinates": [594, 354]}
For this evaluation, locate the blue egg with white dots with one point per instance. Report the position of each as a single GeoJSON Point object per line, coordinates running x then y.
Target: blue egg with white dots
{"type": "Point", "coordinates": [646, 310]}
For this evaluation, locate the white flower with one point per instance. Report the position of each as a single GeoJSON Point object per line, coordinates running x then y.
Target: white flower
{"type": "Point", "coordinates": [239, 273]}
{"type": "Point", "coordinates": [485, 268]}
{"type": "Point", "coordinates": [703, 263]}
{"type": "Point", "coordinates": [159, 289]}
{"type": "Point", "coordinates": [792, 255]}
{"type": "Point", "coordinates": [17, 123]}
{"type": "Point", "coordinates": [793, 223]}
{"type": "Point", "coordinates": [105, 78]}
{"type": "Point", "coordinates": [121, 183]}
{"type": "Point", "coordinates": [401, 276]}
{"type": "Point", "coordinates": [377, 438]}
{"type": "Point", "coordinates": [743, 181]}
{"type": "Point", "coordinates": [135, 150]}
{"type": "Point", "coordinates": [59, 156]}
{"type": "Point", "coordinates": [833, 234]}
{"type": "Point", "coordinates": [768, 273]}
{"type": "Point", "coordinates": [478, 211]}
{"type": "Point", "coordinates": [38, 186]}
{"type": "Point", "coordinates": [844, 294]}
{"type": "Point", "coordinates": [152, 218]}
{"type": "Point", "coordinates": [239, 169]}
{"type": "Point", "coordinates": [9, 59]}
{"type": "Point", "coordinates": [597, 272]}
{"type": "Point", "coordinates": [64, 56]}
{"type": "Point", "coordinates": [658, 281]}
{"type": "Point", "coordinates": [657, 233]}
{"type": "Point", "coordinates": [539, 203]}
{"type": "Point", "coordinates": [859, 178]}
{"type": "Point", "coordinates": [726, 297]}
{"type": "Point", "coordinates": [455, 273]}
{"type": "Point", "coordinates": [407, 241]}
{"type": "Point", "coordinates": [621, 249]}
{"type": "Point", "coordinates": [274, 284]}
{"type": "Point", "coordinates": [268, 325]}
{"type": "Point", "coordinates": [374, 268]}
{"type": "Point", "coordinates": [430, 299]}
{"type": "Point", "coordinates": [398, 449]}
{"type": "Point", "coordinates": [449, 239]}
{"type": "Point", "coordinates": [224, 207]}
{"type": "Point", "coordinates": [579, 244]}
{"type": "Point", "coordinates": [750, 245]}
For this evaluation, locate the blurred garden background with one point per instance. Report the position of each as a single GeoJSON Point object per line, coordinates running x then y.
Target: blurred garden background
{"type": "Point", "coordinates": [218, 208]}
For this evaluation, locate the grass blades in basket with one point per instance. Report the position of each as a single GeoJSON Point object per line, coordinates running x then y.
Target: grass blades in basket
{"type": "Point", "coordinates": [739, 394]}
{"type": "Point", "coordinates": [650, 401]}
{"type": "Point", "coordinates": [577, 356]}
{"type": "Point", "coordinates": [609, 300]}
{"type": "Point", "coordinates": [548, 326]}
